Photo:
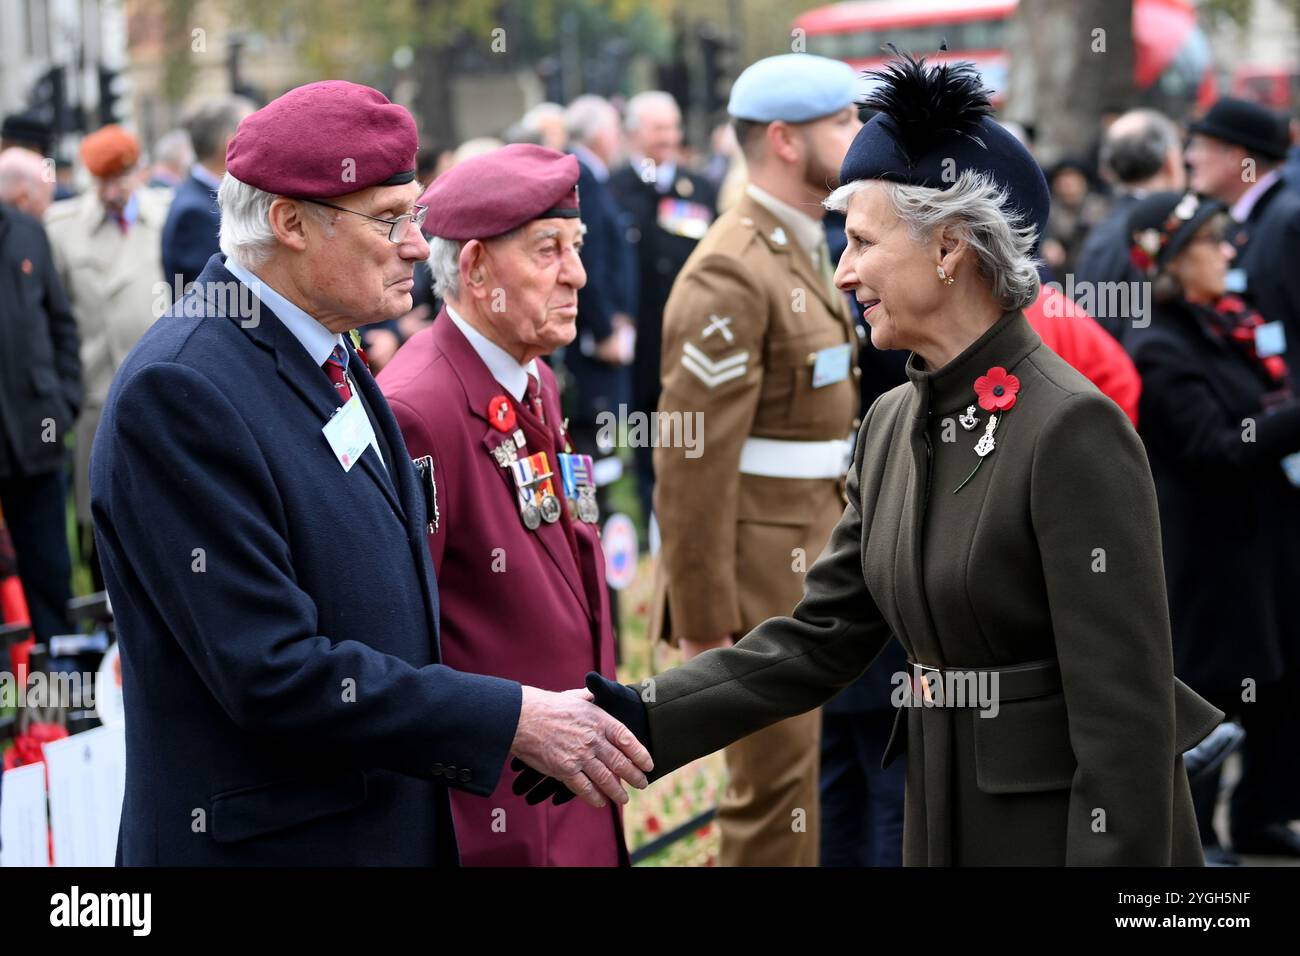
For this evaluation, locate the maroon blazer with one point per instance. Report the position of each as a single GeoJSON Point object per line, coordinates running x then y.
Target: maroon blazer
{"type": "Point", "coordinates": [527, 605]}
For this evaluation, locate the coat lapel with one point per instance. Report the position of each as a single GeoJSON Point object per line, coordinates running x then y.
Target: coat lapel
{"type": "Point", "coordinates": [307, 381]}
{"type": "Point", "coordinates": [388, 482]}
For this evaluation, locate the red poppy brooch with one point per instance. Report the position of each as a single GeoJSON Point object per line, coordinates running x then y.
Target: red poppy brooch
{"type": "Point", "coordinates": [995, 392]}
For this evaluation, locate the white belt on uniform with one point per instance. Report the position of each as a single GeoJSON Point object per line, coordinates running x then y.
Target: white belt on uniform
{"type": "Point", "coordinates": [773, 458]}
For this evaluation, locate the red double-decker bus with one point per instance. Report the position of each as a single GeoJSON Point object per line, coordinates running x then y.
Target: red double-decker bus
{"type": "Point", "coordinates": [1172, 68]}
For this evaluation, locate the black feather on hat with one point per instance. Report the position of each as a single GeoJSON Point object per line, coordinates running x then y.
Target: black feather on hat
{"type": "Point", "coordinates": [934, 123]}
{"type": "Point", "coordinates": [924, 105]}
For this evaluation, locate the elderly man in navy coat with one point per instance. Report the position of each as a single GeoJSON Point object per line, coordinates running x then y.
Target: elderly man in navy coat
{"type": "Point", "coordinates": [263, 535]}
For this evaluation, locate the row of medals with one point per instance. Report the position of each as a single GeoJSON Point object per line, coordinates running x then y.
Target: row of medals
{"type": "Point", "coordinates": [584, 508]}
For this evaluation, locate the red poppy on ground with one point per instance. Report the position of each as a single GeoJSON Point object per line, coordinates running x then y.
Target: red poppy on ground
{"type": "Point", "coordinates": [997, 390]}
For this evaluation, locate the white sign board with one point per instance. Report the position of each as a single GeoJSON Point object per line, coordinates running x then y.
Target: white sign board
{"type": "Point", "coordinates": [24, 839]}
{"type": "Point", "coordinates": [87, 780]}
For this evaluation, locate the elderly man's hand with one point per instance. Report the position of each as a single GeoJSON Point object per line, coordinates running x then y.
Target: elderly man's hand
{"type": "Point", "coordinates": [567, 737]}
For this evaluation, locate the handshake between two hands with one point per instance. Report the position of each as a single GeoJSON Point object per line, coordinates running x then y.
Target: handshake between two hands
{"type": "Point", "coordinates": [583, 743]}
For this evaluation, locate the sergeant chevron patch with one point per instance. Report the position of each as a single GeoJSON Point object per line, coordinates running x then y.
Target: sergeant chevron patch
{"type": "Point", "coordinates": [714, 372]}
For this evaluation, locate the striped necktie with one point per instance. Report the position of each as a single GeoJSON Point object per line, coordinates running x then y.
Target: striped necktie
{"type": "Point", "coordinates": [335, 367]}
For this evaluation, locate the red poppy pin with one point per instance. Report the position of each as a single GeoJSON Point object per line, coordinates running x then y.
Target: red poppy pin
{"type": "Point", "coordinates": [501, 414]}
{"type": "Point", "coordinates": [27, 267]}
{"type": "Point", "coordinates": [997, 390]}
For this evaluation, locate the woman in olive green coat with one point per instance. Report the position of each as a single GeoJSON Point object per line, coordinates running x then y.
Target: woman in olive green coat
{"type": "Point", "coordinates": [1001, 523]}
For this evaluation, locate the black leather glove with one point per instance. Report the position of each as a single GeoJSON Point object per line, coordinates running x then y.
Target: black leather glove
{"type": "Point", "coordinates": [620, 701]}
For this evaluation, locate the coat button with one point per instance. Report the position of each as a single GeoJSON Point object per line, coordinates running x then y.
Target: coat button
{"type": "Point", "coordinates": [437, 770]}
{"type": "Point", "coordinates": [451, 772]}
{"type": "Point", "coordinates": [464, 776]}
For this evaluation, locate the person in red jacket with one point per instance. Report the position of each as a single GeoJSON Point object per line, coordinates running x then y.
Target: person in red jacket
{"type": "Point", "coordinates": [1075, 336]}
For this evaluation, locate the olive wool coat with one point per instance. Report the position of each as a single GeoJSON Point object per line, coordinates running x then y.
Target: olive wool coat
{"type": "Point", "coordinates": [1044, 570]}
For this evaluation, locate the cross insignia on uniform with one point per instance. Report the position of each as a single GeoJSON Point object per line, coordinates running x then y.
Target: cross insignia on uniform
{"type": "Point", "coordinates": [717, 324]}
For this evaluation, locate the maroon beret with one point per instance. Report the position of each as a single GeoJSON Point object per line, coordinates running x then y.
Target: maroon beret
{"type": "Point", "coordinates": [495, 192]}
{"type": "Point", "coordinates": [323, 140]}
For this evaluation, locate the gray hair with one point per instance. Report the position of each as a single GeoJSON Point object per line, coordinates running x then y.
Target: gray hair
{"type": "Point", "coordinates": [173, 149]}
{"type": "Point", "coordinates": [587, 115]}
{"type": "Point", "coordinates": [214, 121]}
{"type": "Point", "coordinates": [444, 261]}
{"type": "Point", "coordinates": [648, 99]}
{"type": "Point", "coordinates": [246, 234]}
{"type": "Point", "coordinates": [1002, 242]}
{"type": "Point", "coordinates": [1137, 145]}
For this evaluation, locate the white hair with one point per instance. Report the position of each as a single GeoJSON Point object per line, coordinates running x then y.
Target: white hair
{"type": "Point", "coordinates": [587, 115]}
{"type": "Point", "coordinates": [23, 173]}
{"type": "Point", "coordinates": [444, 260]}
{"type": "Point", "coordinates": [444, 263]}
{"type": "Point", "coordinates": [174, 149]}
{"type": "Point", "coordinates": [246, 235]}
{"type": "Point", "coordinates": [980, 210]}
{"type": "Point", "coordinates": [648, 99]}
{"type": "Point", "coordinates": [533, 119]}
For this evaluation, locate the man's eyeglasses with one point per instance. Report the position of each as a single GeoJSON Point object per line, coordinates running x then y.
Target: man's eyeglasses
{"type": "Point", "coordinates": [397, 227]}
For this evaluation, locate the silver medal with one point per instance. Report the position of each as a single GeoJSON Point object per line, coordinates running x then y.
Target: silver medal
{"type": "Point", "coordinates": [588, 510]}
{"type": "Point", "coordinates": [986, 444]}
{"type": "Point", "coordinates": [504, 453]}
{"type": "Point", "coordinates": [532, 517]}
{"type": "Point", "coordinates": [550, 509]}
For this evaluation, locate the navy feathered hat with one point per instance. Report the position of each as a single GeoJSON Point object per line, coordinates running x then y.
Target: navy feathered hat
{"type": "Point", "coordinates": [934, 123]}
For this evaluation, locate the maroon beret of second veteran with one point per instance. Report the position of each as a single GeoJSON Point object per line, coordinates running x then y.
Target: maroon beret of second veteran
{"type": "Point", "coordinates": [324, 140]}
{"type": "Point", "coordinates": [495, 192]}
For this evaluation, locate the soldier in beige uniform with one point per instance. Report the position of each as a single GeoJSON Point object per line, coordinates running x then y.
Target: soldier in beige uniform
{"type": "Point", "coordinates": [107, 246]}
{"type": "Point", "coordinates": [758, 340]}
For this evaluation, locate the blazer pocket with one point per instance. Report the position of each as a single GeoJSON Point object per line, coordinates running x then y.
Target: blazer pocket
{"type": "Point", "coordinates": [1025, 748]}
{"type": "Point", "coordinates": [256, 811]}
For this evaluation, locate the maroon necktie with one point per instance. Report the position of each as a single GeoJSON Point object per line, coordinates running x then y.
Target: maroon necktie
{"type": "Point", "coordinates": [334, 368]}
{"type": "Point", "coordinates": [534, 396]}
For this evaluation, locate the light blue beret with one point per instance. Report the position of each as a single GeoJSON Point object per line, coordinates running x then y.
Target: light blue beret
{"type": "Point", "coordinates": [794, 87]}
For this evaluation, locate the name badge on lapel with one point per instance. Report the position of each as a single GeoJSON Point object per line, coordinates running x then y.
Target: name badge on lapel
{"type": "Point", "coordinates": [831, 365]}
{"type": "Point", "coordinates": [1270, 339]}
{"type": "Point", "coordinates": [348, 432]}
{"type": "Point", "coordinates": [1291, 466]}
{"type": "Point", "coordinates": [1235, 281]}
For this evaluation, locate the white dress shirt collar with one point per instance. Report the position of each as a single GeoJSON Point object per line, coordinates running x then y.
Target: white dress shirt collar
{"type": "Point", "coordinates": [206, 176]}
{"type": "Point", "coordinates": [593, 162]}
{"type": "Point", "coordinates": [315, 338]}
{"type": "Point", "coordinates": [1243, 207]}
{"type": "Point", "coordinates": [512, 376]}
